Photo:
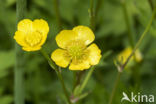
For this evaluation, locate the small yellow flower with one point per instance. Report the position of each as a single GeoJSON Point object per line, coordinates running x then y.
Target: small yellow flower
{"type": "Point", "coordinates": [31, 35]}
{"type": "Point", "coordinates": [74, 50]}
{"type": "Point", "coordinates": [122, 57]}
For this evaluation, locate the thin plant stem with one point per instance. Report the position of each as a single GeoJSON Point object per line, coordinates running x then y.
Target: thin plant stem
{"type": "Point", "coordinates": [56, 7]}
{"type": "Point", "coordinates": [135, 73]}
{"type": "Point", "coordinates": [129, 28]}
{"type": "Point", "coordinates": [19, 59]}
{"type": "Point", "coordinates": [92, 15]}
{"type": "Point", "coordinates": [140, 39]}
{"type": "Point", "coordinates": [86, 79]}
{"type": "Point", "coordinates": [63, 85]}
{"type": "Point", "coordinates": [151, 4]}
{"type": "Point", "coordinates": [115, 87]}
{"type": "Point", "coordinates": [56, 68]}
{"type": "Point", "coordinates": [51, 63]}
{"type": "Point", "coordinates": [74, 80]}
{"type": "Point", "coordinates": [77, 78]}
{"type": "Point", "coordinates": [98, 6]}
{"type": "Point", "coordinates": [135, 48]}
{"type": "Point", "coordinates": [92, 25]}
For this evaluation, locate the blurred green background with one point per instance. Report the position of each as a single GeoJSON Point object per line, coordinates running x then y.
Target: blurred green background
{"type": "Point", "coordinates": [41, 83]}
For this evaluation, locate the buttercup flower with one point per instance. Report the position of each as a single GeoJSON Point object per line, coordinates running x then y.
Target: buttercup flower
{"type": "Point", "coordinates": [31, 35]}
{"type": "Point", "coordinates": [75, 49]}
{"type": "Point", "coordinates": [122, 57]}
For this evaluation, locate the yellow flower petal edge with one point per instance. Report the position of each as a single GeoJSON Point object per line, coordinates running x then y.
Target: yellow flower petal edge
{"type": "Point", "coordinates": [25, 25]}
{"type": "Point", "coordinates": [31, 35]}
{"type": "Point", "coordinates": [75, 51]}
{"type": "Point", "coordinates": [31, 49]}
{"type": "Point", "coordinates": [77, 33]}
{"type": "Point", "coordinates": [122, 57]}
{"type": "Point", "coordinates": [85, 33]}
{"type": "Point", "coordinates": [19, 37]}
{"type": "Point", "coordinates": [64, 37]}
{"type": "Point", "coordinates": [95, 54]}
{"type": "Point", "coordinates": [138, 56]}
{"type": "Point", "coordinates": [81, 66]}
{"type": "Point", "coordinates": [59, 57]}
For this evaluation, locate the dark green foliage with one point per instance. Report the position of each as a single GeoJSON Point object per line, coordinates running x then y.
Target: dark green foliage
{"type": "Point", "coordinates": [41, 83]}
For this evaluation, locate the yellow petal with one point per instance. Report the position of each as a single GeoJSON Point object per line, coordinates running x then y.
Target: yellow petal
{"type": "Point", "coordinates": [94, 54]}
{"type": "Point", "coordinates": [31, 48]}
{"type": "Point", "coordinates": [64, 37]}
{"type": "Point", "coordinates": [138, 56]}
{"type": "Point", "coordinates": [19, 37]}
{"type": "Point", "coordinates": [31, 35]}
{"type": "Point", "coordinates": [41, 26]}
{"type": "Point", "coordinates": [25, 25]}
{"type": "Point", "coordinates": [58, 56]}
{"type": "Point", "coordinates": [79, 66]}
{"type": "Point", "coordinates": [33, 39]}
{"type": "Point", "coordinates": [122, 57]}
{"type": "Point", "coordinates": [44, 37]}
{"type": "Point", "coordinates": [84, 33]}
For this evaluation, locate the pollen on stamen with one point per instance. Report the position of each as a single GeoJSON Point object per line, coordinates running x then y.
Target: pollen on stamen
{"type": "Point", "coordinates": [77, 51]}
{"type": "Point", "coordinates": [33, 39]}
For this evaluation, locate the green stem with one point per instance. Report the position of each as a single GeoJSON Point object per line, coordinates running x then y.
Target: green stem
{"type": "Point", "coordinates": [135, 73]}
{"type": "Point", "coordinates": [98, 6]}
{"type": "Point", "coordinates": [86, 79]}
{"type": "Point", "coordinates": [51, 63]}
{"type": "Point", "coordinates": [79, 75]}
{"type": "Point", "coordinates": [19, 60]}
{"type": "Point", "coordinates": [140, 39]}
{"type": "Point", "coordinates": [151, 4]}
{"type": "Point", "coordinates": [129, 28]}
{"type": "Point", "coordinates": [92, 15]}
{"type": "Point", "coordinates": [74, 79]}
{"type": "Point", "coordinates": [56, 7]}
{"type": "Point", "coordinates": [135, 48]}
{"type": "Point", "coordinates": [114, 88]}
{"type": "Point", "coordinates": [56, 68]}
{"type": "Point", "coordinates": [63, 86]}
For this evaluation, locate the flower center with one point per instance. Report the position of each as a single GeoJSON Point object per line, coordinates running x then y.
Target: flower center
{"type": "Point", "coordinates": [33, 39]}
{"type": "Point", "coordinates": [76, 49]}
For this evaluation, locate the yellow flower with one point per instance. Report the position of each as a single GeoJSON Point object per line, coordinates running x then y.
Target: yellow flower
{"type": "Point", "coordinates": [74, 50]}
{"type": "Point", "coordinates": [31, 35]}
{"type": "Point", "coordinates": [122, 57]}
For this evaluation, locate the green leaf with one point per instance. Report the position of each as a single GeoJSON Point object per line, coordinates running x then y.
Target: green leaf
{"type": "Point", "coordinates": [76, 90]}
{"type": "Point", "coordinates": [6, 60]}
{"type": "Point", "coordinates": [7, 99]}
